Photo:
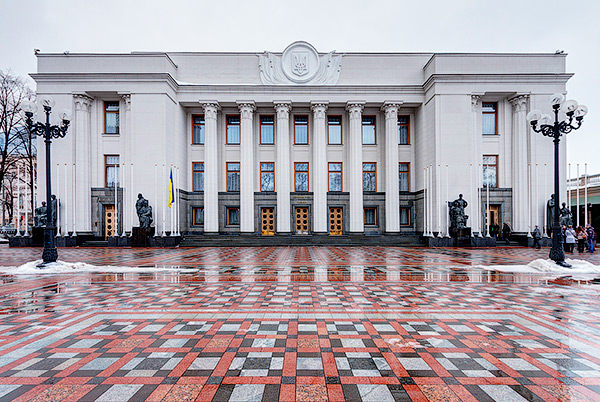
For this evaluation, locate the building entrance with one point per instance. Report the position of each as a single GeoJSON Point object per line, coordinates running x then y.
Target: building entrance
{"type": "Point", "coordinates": [109, 221]}
{"type": "Point", "coordinates": [301, 226]}
{"type": "Point", "coordinates": [336, 221]}
{"type": "Point", "coordinates": [267, 221]}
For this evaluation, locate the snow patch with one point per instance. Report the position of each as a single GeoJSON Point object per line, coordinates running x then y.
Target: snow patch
{"type": "Point", "coordinates": [61, 267]}
{"type": "Point", "coordinates": [547, 266]}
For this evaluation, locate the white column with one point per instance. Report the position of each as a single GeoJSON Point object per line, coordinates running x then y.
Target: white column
{"type": "Point", "coordinates": [319, 176]}
{"type": "Point", "coordinates": [355, 166]}
{"type": "Point", "coordinates": [520, 151]}
{"type": "Point", "coordinates": [392, 201]}
{"type": "Point", "coordinates": [211, 168]}
{"type": "Point", "coordinates": [247, 167]}
{"type": "Point", "coordinates": [282, 166]}
{"type": "Point", "coordinates": [83, 160]}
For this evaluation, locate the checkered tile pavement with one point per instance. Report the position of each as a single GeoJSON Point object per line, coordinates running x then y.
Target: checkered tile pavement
{"type": "Point", "coordinates": [379, 331]}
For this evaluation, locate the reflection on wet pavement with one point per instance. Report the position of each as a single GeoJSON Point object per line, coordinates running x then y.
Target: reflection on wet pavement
{"type": "Point", "coordinates": [303, 323]}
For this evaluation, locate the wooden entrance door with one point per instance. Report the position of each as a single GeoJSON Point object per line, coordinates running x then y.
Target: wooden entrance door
{"type": "Point", "coordinates": [336, 221]}
{"type": "Point", "coordinates": [494, 216]}
{"type": "Point", "coordinates": [301, 220]}
{"type": "Point", "coordinates": [109, 221]}
{"type": "Point", "coordinates": [267, 221]}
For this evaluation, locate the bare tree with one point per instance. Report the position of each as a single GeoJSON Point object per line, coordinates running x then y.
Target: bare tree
{"type": "Point", "coordinates": [15, 141]}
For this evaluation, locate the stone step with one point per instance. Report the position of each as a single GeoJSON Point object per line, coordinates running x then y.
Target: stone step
{"type": "Point", "coordinates": [262, 241]}
{"type": "Point", "coordinates": [95, 243]}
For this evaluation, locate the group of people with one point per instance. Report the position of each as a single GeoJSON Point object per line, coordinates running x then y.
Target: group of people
{"type": "Point", "coordinates": [583, 237]}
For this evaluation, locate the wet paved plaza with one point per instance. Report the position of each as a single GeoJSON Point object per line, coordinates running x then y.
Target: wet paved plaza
{"type": "Point", "coordinates": [303, 323]}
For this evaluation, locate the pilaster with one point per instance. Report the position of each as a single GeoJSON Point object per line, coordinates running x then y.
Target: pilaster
{"type": "Point", "coordinates": [355, 169]}
{"type": "Point", "coordinates": [520, 154]}
{"type": "Point", "coordinates": [246, 166]}
{"type": "Point", "coordinates": [319, 176]}
{"type": "Point", "coordinates": [83, 160]}
{"type": "Point", "coordinates": [211, 168]}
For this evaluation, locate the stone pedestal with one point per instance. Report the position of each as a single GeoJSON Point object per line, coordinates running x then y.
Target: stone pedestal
{"type": "Point", "coordinates": [461, 236]}
{"type": "Point", "coordinates": [37, 236]}
{"type": "Point", "coordinates": [140, 236]}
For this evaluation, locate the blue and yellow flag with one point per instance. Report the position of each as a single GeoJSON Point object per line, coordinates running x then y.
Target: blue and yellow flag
{"type": "Point", "coordinates": [171, 189]}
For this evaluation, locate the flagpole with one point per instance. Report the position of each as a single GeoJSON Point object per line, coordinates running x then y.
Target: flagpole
{"type": "Point", "coordinates": [171, 198]}
{"type": "Point", "coordinates": [164, 206]}
{"type": "Point", "coordinates": [74, 184]}
{"type": "Point", "coordinates": [156, 198]}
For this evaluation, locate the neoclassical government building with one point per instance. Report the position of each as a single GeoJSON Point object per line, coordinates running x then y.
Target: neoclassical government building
{"type": "Point", "coordinates": [299, 142]}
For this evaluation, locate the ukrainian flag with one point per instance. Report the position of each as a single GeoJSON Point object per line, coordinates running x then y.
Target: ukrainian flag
{"type": "Point", "coordinates": [171, 189]}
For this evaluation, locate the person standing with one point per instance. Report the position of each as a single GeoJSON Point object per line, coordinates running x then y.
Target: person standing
{"type": "Point", "coordinates": [537, 235]}
{"type": "Point", "coordinates": [591, 237]}
{"type": "Point", "coordinates": [570, 239]}
{"type": "Point", "coordinates": [581, 236]}
{"type": "Point", "coordinates": [505, 232]}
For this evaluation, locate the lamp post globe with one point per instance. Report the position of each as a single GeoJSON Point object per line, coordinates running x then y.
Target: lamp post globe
{"type": "Point", "coordinates": [542, 123]}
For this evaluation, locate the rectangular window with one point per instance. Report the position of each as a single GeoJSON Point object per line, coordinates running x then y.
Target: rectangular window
{"type": "Point", "coordinates": [490, 170]}
{"type": "Point", "coordinates": [404, 216]}
{"type": "Point", "coordinates": [111, 163]}
{"type": "Point", "coordinates": [198, 130]}
{"type": "Point", "coordinates": [403, 130]}
{"type": "Point", "coordinates": [335, 176]}
{"type": "Point", "coordinates": [368, 130]}
{"type": "Point", "coordinates": [266, 130]}
{"type": "Point", "coordinates": [301, 176]}
{"type": "Point", "coordinates": [111, 117]}
{"type": "Point", "coordinates": [267, 176]}
{"type": "Point", "coordinates": [404, 176]}
{"type": "Point", "coordinates": [233, 130]}
{"type": "Point", "coordinates": [489, 118]}
{"type": "Point", "coordinates": [197, 216]}
{"type": "Point", "coordinates": [334, 130]}
{"type": "Point", "coordinates": [233, 216]}
{"type": "Point", "coordinates": [300, 130]}
{"type": "Point", "coordinates": [369, 176]}
{"type": "Point", "coordinates": [233, 176]}
{"type": "Point", "coordinates": [198, 176]}
{"type": "Point", "coordinates": [370, 216]}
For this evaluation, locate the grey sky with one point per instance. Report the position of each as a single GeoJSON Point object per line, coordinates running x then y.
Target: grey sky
{"type": "Point", "coordinates": [344, 25]}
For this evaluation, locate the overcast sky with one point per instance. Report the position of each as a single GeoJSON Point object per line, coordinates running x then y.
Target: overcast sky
{"type": "Point", "coordinates": [345, 25]}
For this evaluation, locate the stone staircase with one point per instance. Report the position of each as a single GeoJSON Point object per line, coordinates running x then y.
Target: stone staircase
{"type": "Point", "coordinates": [299, 240]}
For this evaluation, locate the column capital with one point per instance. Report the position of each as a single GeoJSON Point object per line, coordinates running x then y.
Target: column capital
{"type": "Point", "coordinates": [282, 108]}
{"type": "Point", "coordinates": [519, 102]}
{"type": "Point", "coordinates": [82, 102]}
{"type": "Point", "coordinates": [210, 109]}
{"type": "Point", "coordinates": [475, 101]}
{"type": "Point", "coordinates": [319, 109]}
{"type": "Point", "coordinates": [391, 108]}
{"type": "Point", "coordinates": [126, 100]}
{"type": "Point", "coordinates": [246, 109]}
{"type": "Point", "coordinates": [355, 108]}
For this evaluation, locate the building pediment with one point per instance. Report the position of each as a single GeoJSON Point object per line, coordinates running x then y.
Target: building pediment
{"type": "Point", "coordinates": [299, 64]}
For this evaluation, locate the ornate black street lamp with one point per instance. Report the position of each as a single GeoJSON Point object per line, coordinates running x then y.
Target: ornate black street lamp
{"type": "Point", "coordinates": [50, 254]}
{"type": "Point", "coordinates": [543, 124]}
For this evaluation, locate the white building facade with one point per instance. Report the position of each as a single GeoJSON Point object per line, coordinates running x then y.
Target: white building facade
{"type": "Point", "coordinates": [300, 142]}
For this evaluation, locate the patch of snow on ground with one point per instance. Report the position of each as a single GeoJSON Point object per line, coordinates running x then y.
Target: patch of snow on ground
{"type": "Point", "coordinates": [61, 267]}
{"type": "Point", "coordinates": [547, 266]}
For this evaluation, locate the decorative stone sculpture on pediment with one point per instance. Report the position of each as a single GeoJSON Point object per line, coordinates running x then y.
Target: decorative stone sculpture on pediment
{"type": "Point", "coordinates": [299, 64]}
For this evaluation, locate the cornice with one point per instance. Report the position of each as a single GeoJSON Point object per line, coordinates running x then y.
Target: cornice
{"type": "Point", "coordinates": [67, 78]}
{"type": "Point", "coordinates": [516, 78]}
